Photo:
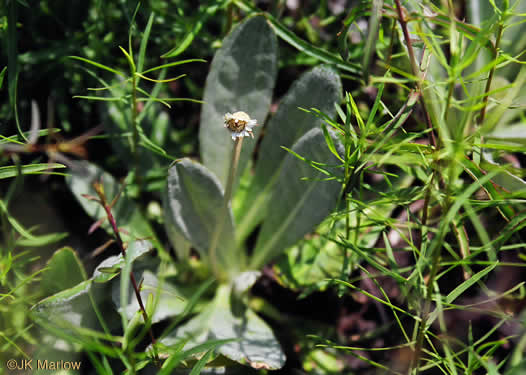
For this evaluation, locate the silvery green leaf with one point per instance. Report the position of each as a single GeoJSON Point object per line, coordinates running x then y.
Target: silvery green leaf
{"type": "Point", "coordinates": [508, 181]}
{"type": "Point", "coordinates": [244, 281]}
{"type": "Point", "coordinates": [169, 303]}
{"type": "Point", "coordinates": [301, 198]}
{"type": "Point", "coordinates": [68, 311]}
{"type": "Point", "coordinates": [193, 207]}
{"type": "Point", "coordinates": [254, 344]}
{"type": "Point", "coordinates": [241, 78]}
{"type": "Point", "coordinates": [319, 88]}
{"type": "Point", "coordinates": [75, 306]}
{"type": "Point", "coordinates": [316, 259]}
{"type": "Point", "coordinates": [127, 215]}
{"type": "Point", "coordinates": [69, 305]}
{"type": "Point", "coordinates": [111, 266]}
{"type": "Point", "coordinates": [181, 246]}
{"type": "Point", "coordinates": [514, 134]}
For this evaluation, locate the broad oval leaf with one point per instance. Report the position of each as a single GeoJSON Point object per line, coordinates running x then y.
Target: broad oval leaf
{"type": "Point", "coordinates": [254, 342]}
{"type": "Point", "coordinates": [64, 270]}
{"type": "Point", "coordinates": [320, 88]}
{"type": "Point", "coordinates": [193, 207]}
{"type": "Point", "coordinates": [301, 198]}
{"type": "Point", "coordinates": [73, 306]}
{"type": "Point", "coordinates": [241, 78]}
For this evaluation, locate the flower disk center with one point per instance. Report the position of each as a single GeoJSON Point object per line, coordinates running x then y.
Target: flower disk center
{"type": "Point", "coordinates": [236, 125]}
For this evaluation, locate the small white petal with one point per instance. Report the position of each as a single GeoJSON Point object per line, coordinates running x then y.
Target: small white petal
{"type": "Point", "coordinates": [239, 120]}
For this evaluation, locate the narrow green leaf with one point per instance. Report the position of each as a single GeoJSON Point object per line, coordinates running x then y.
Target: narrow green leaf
{"type": "Point", "coordinates": [42, 240]}
{"type": "Point", "coordinates": [144, 42]}
{"type": "Point", "coordinates": [178, 357]}
{"type": "Point", "coordinates": [301, 45]}
{"type": "Point", "coordinates": [38, 168]}
{"type": "Point", "coordinates": [100, 98]}
{"type": "Point", "coordinates": [98, 65]}
{"type": "Point", "coordinates": [129, 58]}
{"type": "Point", "coordinates": [160, 80]}
{"type": "Point", "coordinates": [14, 138]}
{"type": "Point", "coordinates": [377, 299]}
{"type": "Point", "coordinates": [196, 370]}
{"type": "Point", "coordinates": [31, 239]}
{"type": "Point", "coordinates": [372, 35]}
{"type": "Point", "coordinates": [460, 289]}
{"type": "Point", "coordinates": [169, 65]}
{"type": "Point", "coordinates": [205, 12]}
{"type": "Point", "coordinates": [2, 75]}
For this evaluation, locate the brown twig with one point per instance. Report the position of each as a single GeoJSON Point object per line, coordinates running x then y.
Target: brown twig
{"type": "Point", "coordinates": [107, 207]}
{"type": "Point", "coordinates": [414, 68]}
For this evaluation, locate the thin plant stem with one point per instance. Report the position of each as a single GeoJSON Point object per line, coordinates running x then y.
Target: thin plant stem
{"type": "Point", "coordinates": [105, 328]}
{"type": "Point", "coordinates": [236, 152]}
{"type": "Point", "coordinates": [415, 361]}
{"type": "Point", "coordinates": [415, 69]}
{"type": "Point", "coordinates": [107, 208]}
{"type": "Point", "coordinates": [490, 76]}
{"type": "Point", "coordinates": [230, 18]}
{"type": "Point", "coordinates": [135, 137]}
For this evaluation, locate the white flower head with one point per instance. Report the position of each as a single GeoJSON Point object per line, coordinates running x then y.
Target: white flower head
{"type": "Point", "coordinates": [240, 124]}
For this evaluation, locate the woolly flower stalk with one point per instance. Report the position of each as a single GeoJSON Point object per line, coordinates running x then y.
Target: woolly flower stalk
{"type": "Point", "coordinates": [240, 124]}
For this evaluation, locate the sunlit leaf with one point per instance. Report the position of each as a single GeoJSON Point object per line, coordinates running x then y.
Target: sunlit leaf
{"type": "Point", "coordinates": [241, 78]}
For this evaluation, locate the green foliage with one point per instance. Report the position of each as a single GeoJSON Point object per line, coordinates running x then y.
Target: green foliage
{"type": "Point", "coordinates": [399, 205]}
{"type": "Point", "coordinates": [307, 190]}
{"type": "Point", "coordinates": [252, 342]}
{"type": "Point", "coordinates": [83, 176]}
{"type": "Point", "coordinates": [319, 88]}
{"type": "Point", "coordinates": [193, 208]}
{"type": "Point", "coordinates": [241, 78]}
